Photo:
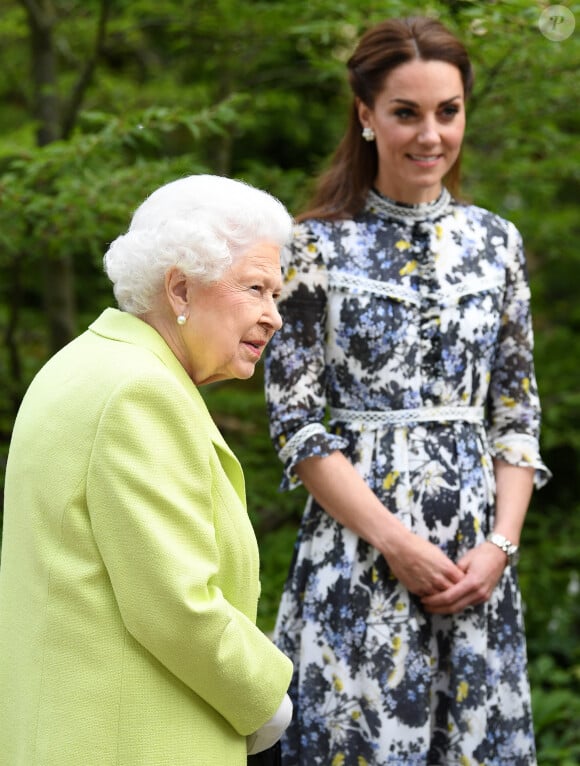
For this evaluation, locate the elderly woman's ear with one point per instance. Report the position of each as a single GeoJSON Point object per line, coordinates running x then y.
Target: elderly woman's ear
{"type": "Point", "coordinates": [177, 290]}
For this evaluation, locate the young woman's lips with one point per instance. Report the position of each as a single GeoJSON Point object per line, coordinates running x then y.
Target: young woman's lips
{"type": "Point", "coordinates": [425, 159]}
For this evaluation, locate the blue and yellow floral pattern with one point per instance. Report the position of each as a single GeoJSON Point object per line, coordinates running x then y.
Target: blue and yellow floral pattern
{"type": "Point", "coordinates": [404, 308]}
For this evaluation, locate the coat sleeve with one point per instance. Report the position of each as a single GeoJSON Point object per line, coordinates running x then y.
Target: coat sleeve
{"type": "Point", "coordinates": [180, 551]}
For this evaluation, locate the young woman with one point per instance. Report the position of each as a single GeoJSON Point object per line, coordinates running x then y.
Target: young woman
{"type": "Point", "coordinates": [406, 320]}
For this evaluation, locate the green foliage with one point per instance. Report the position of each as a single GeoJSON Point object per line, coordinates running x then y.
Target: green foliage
{"type": "Point", "coordinates": [106, 164]}
{"type": "Point", "coordinates": [556, 706]}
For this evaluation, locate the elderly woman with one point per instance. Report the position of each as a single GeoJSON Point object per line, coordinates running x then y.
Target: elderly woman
{"type": "Point", "coordinates": [129, 579]}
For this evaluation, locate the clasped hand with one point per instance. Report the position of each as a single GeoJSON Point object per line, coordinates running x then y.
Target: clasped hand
{"type": "Point", "coordinates": [445, 587]}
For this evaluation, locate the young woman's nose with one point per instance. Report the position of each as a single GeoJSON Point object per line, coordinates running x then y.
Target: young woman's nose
{"type": "Point", "coordinates": [428, 132]}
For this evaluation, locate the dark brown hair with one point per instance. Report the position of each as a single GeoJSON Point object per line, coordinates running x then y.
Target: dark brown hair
{"type": "Point", "coordinates": [342, 189]}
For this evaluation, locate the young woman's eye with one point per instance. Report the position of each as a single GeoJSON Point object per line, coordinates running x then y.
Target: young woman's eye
{"type": "Point", "coordinates": [404, 113]}
{"type": "Point", "coordinates": [450, 111]}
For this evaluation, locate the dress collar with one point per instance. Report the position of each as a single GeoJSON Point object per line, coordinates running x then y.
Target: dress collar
{"type": "Point", "coordinates": [424, 211]}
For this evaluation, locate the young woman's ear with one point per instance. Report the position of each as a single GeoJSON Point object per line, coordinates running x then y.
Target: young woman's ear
{"type": "Point", "coordinates": [364, 113]}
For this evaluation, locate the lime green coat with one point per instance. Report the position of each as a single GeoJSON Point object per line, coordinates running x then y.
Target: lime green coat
{"type": "Point", "coordinates": [129, 579]}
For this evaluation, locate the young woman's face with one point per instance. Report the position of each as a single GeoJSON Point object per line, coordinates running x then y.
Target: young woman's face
{"type": "Point", "coordinates": [419, 121]}
{"type": "Point", "coordinates": [231, 321]}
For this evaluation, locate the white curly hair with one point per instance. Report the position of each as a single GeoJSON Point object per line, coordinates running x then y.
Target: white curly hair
{"type": "Point", "coordinates": [199, 223]}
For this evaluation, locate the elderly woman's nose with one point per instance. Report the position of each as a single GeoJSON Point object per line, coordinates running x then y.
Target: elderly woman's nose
{"type": "Point", "coordinates": [272, 315]}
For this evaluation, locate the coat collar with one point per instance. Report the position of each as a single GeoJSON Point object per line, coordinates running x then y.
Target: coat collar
{"type": "Point", "coordinates": [126, 328]}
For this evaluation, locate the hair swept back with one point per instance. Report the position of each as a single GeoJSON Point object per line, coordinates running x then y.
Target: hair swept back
{"type": "Point", "coordinates": [198, 223]}
{"type": "Point", "coordinates": [341, 190]}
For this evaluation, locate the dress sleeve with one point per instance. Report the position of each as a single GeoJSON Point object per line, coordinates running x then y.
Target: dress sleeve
{"type": "Point", "coordinates": [513, 402]}
{"type": "Point", "coordinates": [295, 370]}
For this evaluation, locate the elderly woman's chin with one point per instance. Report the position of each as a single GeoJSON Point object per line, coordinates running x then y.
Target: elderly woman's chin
{"type": "Point", "coordinates": [246, 371]}
{"type": "Point", "coordinates": [239, 369]}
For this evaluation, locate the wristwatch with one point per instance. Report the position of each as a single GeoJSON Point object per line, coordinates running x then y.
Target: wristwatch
{"type": "Point", "coordinates": [512, 551]}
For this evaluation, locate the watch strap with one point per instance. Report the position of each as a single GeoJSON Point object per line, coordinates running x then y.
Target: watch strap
{"type": "Point", "coordinates": [510, 549]}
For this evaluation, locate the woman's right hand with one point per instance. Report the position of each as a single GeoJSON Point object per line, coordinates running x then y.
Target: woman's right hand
{"type": "Point", "coordinates": [419, 565]}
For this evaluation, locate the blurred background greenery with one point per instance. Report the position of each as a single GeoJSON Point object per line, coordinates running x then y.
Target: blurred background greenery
{"type": "Point", "coordinates": [103, 101]}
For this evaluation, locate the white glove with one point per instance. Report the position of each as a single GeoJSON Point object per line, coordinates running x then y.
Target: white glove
{"type": "Point", "coordinates": [270, 732]}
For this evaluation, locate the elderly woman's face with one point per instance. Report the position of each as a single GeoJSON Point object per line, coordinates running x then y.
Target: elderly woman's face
{"type": "Point", "coordinates": [231, 321]}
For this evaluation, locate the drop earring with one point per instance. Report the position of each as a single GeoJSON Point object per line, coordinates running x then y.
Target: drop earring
{"type": "Point", "coordinates": [368, 134]}
{"type": "Point", "coordinates": [181, 320]}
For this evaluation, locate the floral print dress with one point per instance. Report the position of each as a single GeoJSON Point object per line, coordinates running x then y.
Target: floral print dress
{"type": "Point", "coordinates": [407, 344]}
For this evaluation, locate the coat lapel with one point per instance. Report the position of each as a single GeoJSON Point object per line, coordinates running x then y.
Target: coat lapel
{"type": "Point", "coordinates": [126, 328]}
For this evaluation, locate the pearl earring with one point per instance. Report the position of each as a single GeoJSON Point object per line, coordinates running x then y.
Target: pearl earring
{"type": "Point", "coordinates": [181, 319]}
{"type": "Point", "coordinates": [368, 134]}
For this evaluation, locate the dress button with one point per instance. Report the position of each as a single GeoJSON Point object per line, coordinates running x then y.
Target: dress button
{"type": "Point", "coordinates": [437, 388]}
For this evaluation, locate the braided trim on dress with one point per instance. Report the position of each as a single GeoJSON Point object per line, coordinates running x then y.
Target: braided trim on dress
{"type": "Point", "coordinates": [342, 279]}
{"type": "Point", "coordinates": [399, 418]}
{"type": "Point", "coordinates": [380, 205]}
{"type": "Point", "coordinates": [473, 286]}
{"type": "Point", "coordinates": [300, 438]}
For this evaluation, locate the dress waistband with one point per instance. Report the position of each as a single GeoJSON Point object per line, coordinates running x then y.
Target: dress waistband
{"type": "Point", "coordinates": [405, 417]}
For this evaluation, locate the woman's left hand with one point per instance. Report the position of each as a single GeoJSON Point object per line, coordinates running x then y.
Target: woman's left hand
{"type": "Point", "coordinates": [483, 567]}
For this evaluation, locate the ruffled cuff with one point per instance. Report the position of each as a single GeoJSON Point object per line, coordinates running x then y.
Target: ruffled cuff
{"type": "Point", "coordinates": [521, 450]}
{"type": "Point", "coordinates": [311, 441]}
